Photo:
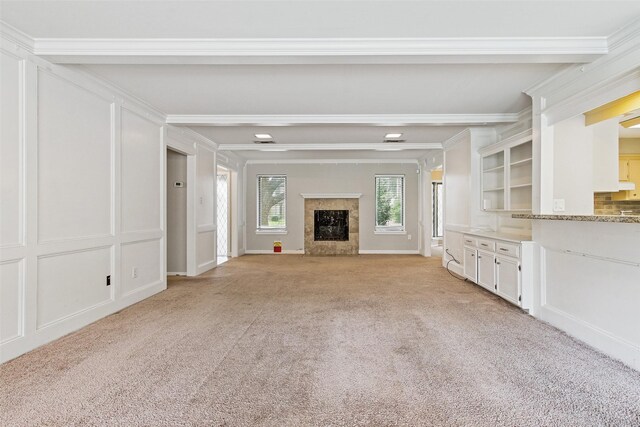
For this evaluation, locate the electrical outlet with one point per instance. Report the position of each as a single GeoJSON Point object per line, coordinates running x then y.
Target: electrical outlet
{"type": "Point", "coordinates": [134, 272]}
{"type": "Point", "coordinates": [408, 236]}
{"type": "Point", "coordinates": [558, 205]}
{"type": "Point", "coordinates": [109, 280]}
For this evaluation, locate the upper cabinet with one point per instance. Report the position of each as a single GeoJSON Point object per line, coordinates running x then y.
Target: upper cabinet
{"type": "Point", "coordinates": [629, 172]}
{"type": "Point", "coordinates": [507, 174]}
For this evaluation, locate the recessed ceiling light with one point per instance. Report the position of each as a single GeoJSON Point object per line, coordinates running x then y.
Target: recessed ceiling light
{"type": "Point", "coordinates": [263, 136]}
{"type": "Point", "coordinates": [392, 135]}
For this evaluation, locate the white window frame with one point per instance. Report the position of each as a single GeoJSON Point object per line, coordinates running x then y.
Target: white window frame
{"type": "Point", "coordinates": [265, 229]}
{"type": "Point", "coordinates": [381, 229]}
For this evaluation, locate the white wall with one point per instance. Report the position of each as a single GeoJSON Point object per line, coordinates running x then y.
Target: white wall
{"type": "Point", "coordinates": [83, 198]}
{"type": "Point", "coordinates": [573, 166]}
{"type": "Point", "coordinates": [590, 274]}
{"type": "Point", "coordinates": [335, 178]}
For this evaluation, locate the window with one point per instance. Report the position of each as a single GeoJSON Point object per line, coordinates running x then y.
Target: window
{"type": "Point", "coordinates": [272, 202]}
{"type": "Point", "coordinates": [390, 203]}
{"type": "Point", "coordinates": [437, 209]}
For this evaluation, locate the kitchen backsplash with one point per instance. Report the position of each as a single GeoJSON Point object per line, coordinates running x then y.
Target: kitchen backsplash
{"type": "Point", "coordinates": [603, 205]}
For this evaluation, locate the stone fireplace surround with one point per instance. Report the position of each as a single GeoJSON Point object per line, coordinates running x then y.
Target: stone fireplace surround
{"type": "Point", "coordinates": [332, 201]}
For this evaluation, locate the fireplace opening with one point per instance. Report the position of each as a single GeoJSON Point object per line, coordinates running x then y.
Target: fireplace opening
{"type": "Point", "coordinates": [331, 225]}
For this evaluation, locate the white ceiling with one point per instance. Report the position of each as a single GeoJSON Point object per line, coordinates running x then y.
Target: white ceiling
{"type": "Point", "coordinates": [299, 18]}
{"type": "Point", "coordinates": [330, 89]}
{"type": "Point", "coordinates": [391, 84]}
{"type": "Point", "coordinates": [326, 134]}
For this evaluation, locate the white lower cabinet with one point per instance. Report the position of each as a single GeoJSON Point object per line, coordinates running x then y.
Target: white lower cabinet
{"type": "Point", "coordinates": [486, 270]}
{"type": "Point", "coordinates": [508, 279]}
{"type": "Point", "coordinates": [498, 266]}
{"type": "Point", "coordinates": [470, 264]}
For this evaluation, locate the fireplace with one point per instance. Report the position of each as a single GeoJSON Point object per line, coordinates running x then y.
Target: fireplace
{"type": "Point", "coordinates": [331, 225]}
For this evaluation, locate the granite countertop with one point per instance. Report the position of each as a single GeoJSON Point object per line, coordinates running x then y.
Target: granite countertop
{"type": "Point", "coordinates": [515, 238]}
{"type": "Point", "coordinates": [629, 219]}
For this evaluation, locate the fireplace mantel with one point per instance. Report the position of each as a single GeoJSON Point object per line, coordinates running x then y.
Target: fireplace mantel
{"type": "Point", "coordinates": [331, 195]}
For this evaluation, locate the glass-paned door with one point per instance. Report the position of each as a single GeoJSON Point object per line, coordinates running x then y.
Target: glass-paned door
{"type": "Point", "coordinates": [223, 215]}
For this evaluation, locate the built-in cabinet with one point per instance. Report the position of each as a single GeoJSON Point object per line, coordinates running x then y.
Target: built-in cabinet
{"type": "Point", "coordinates": [629, 172]}
{"type": "Point", "coordinates": [497, 265]}
{"type": "Point", "coordinates": [507, 174]}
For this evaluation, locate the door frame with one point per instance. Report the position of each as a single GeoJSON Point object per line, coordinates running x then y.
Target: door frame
{"type": "Point", "coordinates": [190, 152]}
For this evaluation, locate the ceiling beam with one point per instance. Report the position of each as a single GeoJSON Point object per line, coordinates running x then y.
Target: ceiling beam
{"type": "Point", "coordinates": [322, 50]}
{"type": "Point", "coordinates": [342, 119]}
{"type": "Point", "coordinates": [380, 146]}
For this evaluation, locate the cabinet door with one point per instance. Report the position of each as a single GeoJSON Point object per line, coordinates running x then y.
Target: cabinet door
{"type": "Point", "coordinates": [470, 264]}
{"type": "Point", "coordinates": [487, 270]}
{"type": "Point", "coordinates": [623, 170]}
{"type": "Point", "coordinates": [634, 176]}
{"type": "Point", "coordinates": [508, 279]}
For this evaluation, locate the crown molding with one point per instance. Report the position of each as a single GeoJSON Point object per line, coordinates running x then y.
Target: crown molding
{"type": "Point", "coordinates": [431, 50]}
{"type": "Point", "coordinates": [455, 139]}
{"type": "Point", "coordinates": [583, 87]}
{"type": "Point", "coordinates": [331, 195]}
{"type": "Point", "coordinates": [381, 146]}
{"type": "Point", "coordinates": [341, 119]}
{"type": "Point", "coordinates": [16, 36]}
{"type": "Point", "coordinates": [329, 161]}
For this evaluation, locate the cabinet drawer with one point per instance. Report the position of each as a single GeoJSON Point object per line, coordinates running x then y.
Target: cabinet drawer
{"type": "Point", "coordinates": [470, 241]}
{"type": "Point", "coordinates": [509, 249]}
{"type": "Point", "coordinates": [486, 245]}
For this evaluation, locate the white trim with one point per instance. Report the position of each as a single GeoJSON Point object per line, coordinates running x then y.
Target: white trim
{"type": "Point", "coordinates": [16, 36]}
{"type": "Point", "coordinates": [390, 232]}
{"type": "Point", "coordinates": [455, 139]}
{"type": "Point", "coordinates": [517, 139]}
{"type": "Point", "coordinates": [270, 252]}
{"type": "Point", "coordinates": [329, 161]}
{"type": "Point", "coordinates": [381, 146]}
{"type": "Point", "coordinates": [440, 50]}
{"type": "Point", "coordinates": [176, 273]}
{"type": "Point", "coordinates": [599, 338]}
{"type": "Point", "coordinates": [342, 119]}
{"type": "Point", "coordinates": [583, 87]}
{"type": "Point", "coordinates": [206, 266]}
{"type": "Point", "coordinates": [380, 229]}
{"type": "Point", "coordinates": [207, 228]}
{"type": "Point", "coordinates": [331, 195]}
{"type": "Point", "coordinates": [273, 232]}
{"type": "Point", "coordinates": [389, 252]}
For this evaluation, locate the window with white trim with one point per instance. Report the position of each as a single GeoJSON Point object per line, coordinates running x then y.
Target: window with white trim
{"type": "Point", "coordinates": [389, 203]}
{"type": "Point", "coordinates": [272, 202]}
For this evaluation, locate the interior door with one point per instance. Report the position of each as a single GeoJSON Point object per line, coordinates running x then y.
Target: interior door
{"type": "Point", "coordinates": [508, 279]}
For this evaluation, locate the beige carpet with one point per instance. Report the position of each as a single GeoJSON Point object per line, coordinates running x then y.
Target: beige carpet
{"type": "Point", "coordinates": [299, 341]}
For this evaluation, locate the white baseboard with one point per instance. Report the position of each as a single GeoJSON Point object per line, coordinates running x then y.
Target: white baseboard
{"type": "Point", "coordinates": [16, 347]}
{"type": "Point", "coordinates": [176, 273]}
{"type": "Point", "coordinates": [388, 252]}
{"type": "Point", "coordinates": [206, 266]}
{"type": "Point", "coordinates": [456, 268]}
{"type": "Point", "coordinates": [267, 252]}
{"type": "Point", "coordinates": [604, 341]}
{"type": "Point", "coordinates": [241, 252]}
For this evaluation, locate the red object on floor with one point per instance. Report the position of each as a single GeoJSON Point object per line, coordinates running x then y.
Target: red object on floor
{"type": "Point", "coordinates": [277, 249]}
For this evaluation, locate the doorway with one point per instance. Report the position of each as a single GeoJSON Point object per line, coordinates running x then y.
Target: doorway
{"type": "Point", "coordinates": [437, 224]}
{"type": "Point", "coordinates": [223, 215]}
{"type": "Point", "coordinates": [176, 213]}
